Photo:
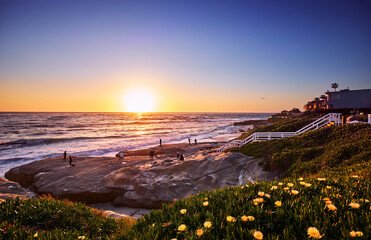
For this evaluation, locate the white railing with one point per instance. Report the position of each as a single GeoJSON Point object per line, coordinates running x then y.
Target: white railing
{"type": "Point", "coordinates": [334, 118]}
{"type": "Point", "coordinates": [321, 122]}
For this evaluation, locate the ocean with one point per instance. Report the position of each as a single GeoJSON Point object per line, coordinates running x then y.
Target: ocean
{"type": "Point", "coordinates": [26, 137]}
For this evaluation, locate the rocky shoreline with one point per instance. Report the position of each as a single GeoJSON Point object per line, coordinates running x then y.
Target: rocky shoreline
{"type": "Point", "coordinates": [137, 181]}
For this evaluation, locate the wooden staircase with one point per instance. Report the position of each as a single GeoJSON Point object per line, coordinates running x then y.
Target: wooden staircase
{"type": "Point", "coordinates": [331, 119]}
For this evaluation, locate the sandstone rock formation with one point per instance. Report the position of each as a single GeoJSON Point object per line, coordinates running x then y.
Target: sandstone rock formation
{"type": "Point", "coordinates": [10, 189]}
{"type": "Point", "coordinates": [138, 182]}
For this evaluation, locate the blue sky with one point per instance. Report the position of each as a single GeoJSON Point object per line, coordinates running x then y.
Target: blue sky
{"type": "Point", "coordinates": [243, 56]}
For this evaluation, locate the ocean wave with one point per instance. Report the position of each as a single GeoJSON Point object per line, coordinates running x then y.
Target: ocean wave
{"type": "Point", "coordinates": [14, 160]}
{"type": "Point", "coordinates": [45, 141]}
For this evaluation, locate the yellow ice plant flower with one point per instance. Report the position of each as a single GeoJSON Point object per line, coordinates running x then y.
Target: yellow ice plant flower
{"type": "Point", "coordinates": [290, 184]}
{"type": "Point", "coordinates": [300, 179]}
{"type": "Point", "coordinates": [274, 187]}
{"type": "Point", "coordinates": [231, 219]}
{"type": "Point", "coordinates": [326, 199]}
{"type": "Point", "coordinates": [205, 198]}
{"type": "Point", "coordinates": [280, 183]}
{"type": "Point", "coordinates": [200, 232]}
{"type": "Point", "coordinates": [356, 234]}
{"type": "Point", "coordinates": [295, 192]}
{"type": "Point", "coordinates": [207, 224]}
{"type": "Point", "coordinates": [267, 195]}
{"type": "Point", "coordinates": [182, 227]}
{"type": "Point", "coordinates": [314, 233]}
{"type": "Point", "coordinates": [247, 218]}
{"type": "Point", "coordinates": [308, 185]}
{"type": "Point", "coordinates": [321, 179]}
{"type": "Point", "coordinates": [261, 194]}
{"type": "Point", "coordinates": [286, 188]}
{"type": "Point", "coordinates": [354, 205]}
{"type": "Point", "coordinates": [278, 203]}
{"type": "Point", "coordinates": [328, 202]}
{"type": "Point", "coordinates": [332, 207]}
{"type": "Point", "coordinates": [81, 237]}
{"type": "Point", "coordinates": [205, 203]}
{"type": "Point", "coordinates": [302, 183]}
{"type": "Point", "coordinates": [183, 211]}
{"type": "Point", "coordinates": [258, 200]}
{"type": "Point", "coordinates": [36, 235]}
{"type": "Point", "coordinates": [328, 187]}
{"type": "Point", "coordinates": [355, 176]}
{"type": "Point", "coordinates": [173, 239]}
{"type": "Point", "coordinates": [367, 201]}
{"type": "Point", "coordinates": [258, 235]}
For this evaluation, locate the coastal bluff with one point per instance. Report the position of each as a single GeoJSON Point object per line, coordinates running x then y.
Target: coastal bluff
{"type": "Point", "coordinates": [137, 181]}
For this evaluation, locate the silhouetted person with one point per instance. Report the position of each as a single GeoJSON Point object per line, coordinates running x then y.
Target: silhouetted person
{"type": "Point", "coordinates": [64, 156]}
{"type": "Point", "coordinates": [189, 141]}
{"type": "Point", "coordinates": [181, 158]}
{"type": "Point", "coordinates": [70, 157]}
{"type": "Point", "coordinates": [195, 141]}
{"type": "Point", "coordinates": [160, 142]}
{"type": "Point", "coordinates": [151, 154]}
{"type": "Point", "coordinates": [121, 156]}
{"type": "Point", "coordinates": [177, 155]}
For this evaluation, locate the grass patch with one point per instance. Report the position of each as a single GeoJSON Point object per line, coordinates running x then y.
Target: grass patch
{"type": "Point", "coordinates": [47, 218]}
{"type": "Point", "coordinates": [314, 151]}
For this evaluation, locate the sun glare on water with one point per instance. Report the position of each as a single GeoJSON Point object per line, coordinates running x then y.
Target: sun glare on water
{"type": "Point", "coordinates": [139, 100]}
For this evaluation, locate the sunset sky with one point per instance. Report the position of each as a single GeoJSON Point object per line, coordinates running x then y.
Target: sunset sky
{"type": "Point", "coordinates": [189, 56]}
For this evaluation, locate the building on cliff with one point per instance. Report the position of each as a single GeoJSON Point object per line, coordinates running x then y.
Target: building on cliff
{"type": "Point", "coordinates": [343, 99]}
{"type": "Point", "coordinates": [349, 99]}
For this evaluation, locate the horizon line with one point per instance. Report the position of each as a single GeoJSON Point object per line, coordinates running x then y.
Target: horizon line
{"type": "Point", "coordinates": [117, 112]}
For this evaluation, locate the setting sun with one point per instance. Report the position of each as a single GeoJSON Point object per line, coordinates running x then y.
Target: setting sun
{"type": "Point", "coordinates": [139, 100]}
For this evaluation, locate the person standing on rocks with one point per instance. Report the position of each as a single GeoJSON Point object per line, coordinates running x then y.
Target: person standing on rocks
{"type": "Point", "coordinates": [121, 156]}
{"type": "Point", "coordinates": [189, 141]}
{"type": "Point", "coordinates": [160, 142]}
{"type": "Point", "coordinates": [64, 156]}
{"type": "Point", "coordinates": [195, 141]}
{"type": "Point", "coordinates": [70, 158]}
{"type": "Point", "coordinates": [181, 158]}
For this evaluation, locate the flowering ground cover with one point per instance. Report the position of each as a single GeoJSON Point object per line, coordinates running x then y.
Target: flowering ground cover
{"type": "Point", "coordinates": [292, 208]}
{"type": "Point", "coordinates": [303, 208]}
